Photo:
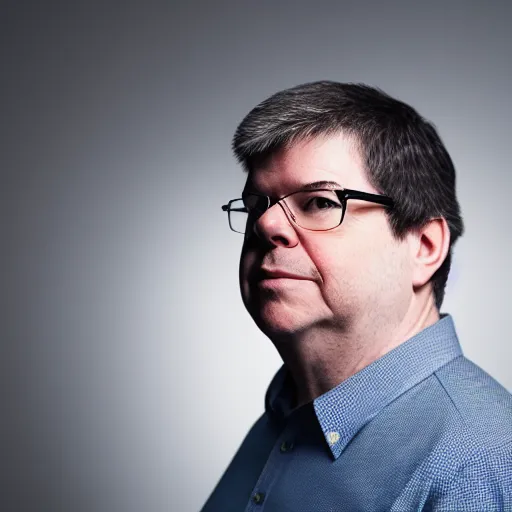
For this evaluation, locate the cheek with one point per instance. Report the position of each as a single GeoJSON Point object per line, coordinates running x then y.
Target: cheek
{"type": "Point", "coordinates": [247, 265]}
{"type": "Point", "coordinates": [339, 266]}
{"type": "Point", "coordinates": [360, 270]}
{"type": "Point", "coordinates": [388, 274]}
{"type": "Point", "coordinates": [346, 279]}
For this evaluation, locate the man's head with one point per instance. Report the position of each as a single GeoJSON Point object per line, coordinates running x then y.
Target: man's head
{"type": "Point", "coordinates": [374, 262]}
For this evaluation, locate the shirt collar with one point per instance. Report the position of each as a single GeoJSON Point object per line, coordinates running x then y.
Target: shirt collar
{"type": "Point", "coordinates": [345, 409]}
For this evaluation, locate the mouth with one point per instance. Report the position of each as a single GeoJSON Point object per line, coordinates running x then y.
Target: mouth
{"type": "Point", "coordinates": [276, 274]}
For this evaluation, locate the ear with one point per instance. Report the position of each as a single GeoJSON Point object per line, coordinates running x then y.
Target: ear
{"type": "Point", "coordinates": [429, 247]}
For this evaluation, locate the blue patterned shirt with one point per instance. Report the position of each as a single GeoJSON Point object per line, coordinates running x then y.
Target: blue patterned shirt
{"type": "Point", "coordinates": [421, 428]}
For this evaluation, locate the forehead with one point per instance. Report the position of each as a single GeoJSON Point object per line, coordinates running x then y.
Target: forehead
{"type": "Point", "coordinates": [333, 158]}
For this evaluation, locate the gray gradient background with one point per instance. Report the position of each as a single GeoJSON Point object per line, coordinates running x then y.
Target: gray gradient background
{"type": "Point", "coordinates": [131, 370]}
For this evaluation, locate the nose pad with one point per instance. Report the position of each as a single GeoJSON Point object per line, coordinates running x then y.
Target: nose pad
{"type": "Point", "coordinates": [289, 214]}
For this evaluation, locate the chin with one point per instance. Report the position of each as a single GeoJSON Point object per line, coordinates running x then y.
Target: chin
{"type": "Point", "coordinates": [280, 321]}
{"type": "Point", "coordinates": [283, 310]}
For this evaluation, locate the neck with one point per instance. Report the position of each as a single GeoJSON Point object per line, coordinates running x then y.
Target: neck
{"type": "Point", "coordinates": [322, 357]}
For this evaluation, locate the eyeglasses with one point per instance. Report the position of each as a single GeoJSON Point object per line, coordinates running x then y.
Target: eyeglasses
{"type": "Point", "coordinates": [314, 210]}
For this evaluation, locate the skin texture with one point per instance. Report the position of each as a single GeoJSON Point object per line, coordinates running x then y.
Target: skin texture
{"type": "Point", "coordinates": [358, 292]}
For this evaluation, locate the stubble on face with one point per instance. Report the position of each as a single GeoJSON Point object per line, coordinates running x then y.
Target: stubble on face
{"type": "Point", "coordinates": [351, 277]}
{"type": "Point", "coordinates": [283, 306]}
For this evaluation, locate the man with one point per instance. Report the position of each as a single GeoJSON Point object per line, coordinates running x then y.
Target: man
{"type": "Point", "coordinates": [349, 216]}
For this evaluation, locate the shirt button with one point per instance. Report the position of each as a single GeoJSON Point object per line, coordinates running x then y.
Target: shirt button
{"type": "Point", "coordinates": [286, 446]}
{"type": "Point", "coordinates": [333, 438]}
{"type": "Point", "coordinates": [258, 498]}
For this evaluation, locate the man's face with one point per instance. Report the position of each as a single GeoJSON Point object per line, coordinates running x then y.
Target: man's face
{"type": "Point", "coordinates": [357, 272]}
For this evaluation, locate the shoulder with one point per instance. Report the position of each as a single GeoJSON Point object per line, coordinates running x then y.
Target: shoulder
{"type": "Point", "coordinates": [482, 408]}
{"type": "Point", "coordinates": [483, 482]}
{"type": "Point", "coordinates": [472, 467]}
{"type": "Point", "coordinates": [468, 465]}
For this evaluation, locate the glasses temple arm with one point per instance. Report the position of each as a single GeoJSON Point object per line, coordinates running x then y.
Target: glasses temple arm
{"type": "Point", "coordinates": [365, 196]}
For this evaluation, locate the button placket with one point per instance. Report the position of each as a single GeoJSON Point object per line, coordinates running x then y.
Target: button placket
{"type": "Point", "coordinates": [278, 458]}
{"type": "Point", "coordinates": [258, 498]}
{"type": "Point", "coordinates": [286, 446]}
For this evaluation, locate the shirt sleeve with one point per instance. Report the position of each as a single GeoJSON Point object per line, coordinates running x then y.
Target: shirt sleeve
{"type": "Point", "coordinates": [484, 484]}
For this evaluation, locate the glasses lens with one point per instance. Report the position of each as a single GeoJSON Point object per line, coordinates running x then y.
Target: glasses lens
{"type": "Point", "coordinates": [318, 210]}
{"type": "Point", "coordinates": [238, 216]}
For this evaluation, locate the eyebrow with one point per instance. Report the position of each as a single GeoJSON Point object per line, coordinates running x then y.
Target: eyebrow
{"type": "Point", "coordinates": [320, 184]}
{"type": "Point", "coordinates": [309, 186]}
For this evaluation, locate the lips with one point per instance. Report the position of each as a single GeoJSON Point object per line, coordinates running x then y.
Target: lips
{"type": "Point", "coordinates": [278, 274]}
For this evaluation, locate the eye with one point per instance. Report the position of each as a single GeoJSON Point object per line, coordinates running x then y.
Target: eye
{"type": "Point", "coordinates": [320, 203]}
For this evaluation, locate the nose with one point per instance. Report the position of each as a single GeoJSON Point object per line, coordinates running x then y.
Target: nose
{"type": "Point", "coordinates": [276, 228]}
